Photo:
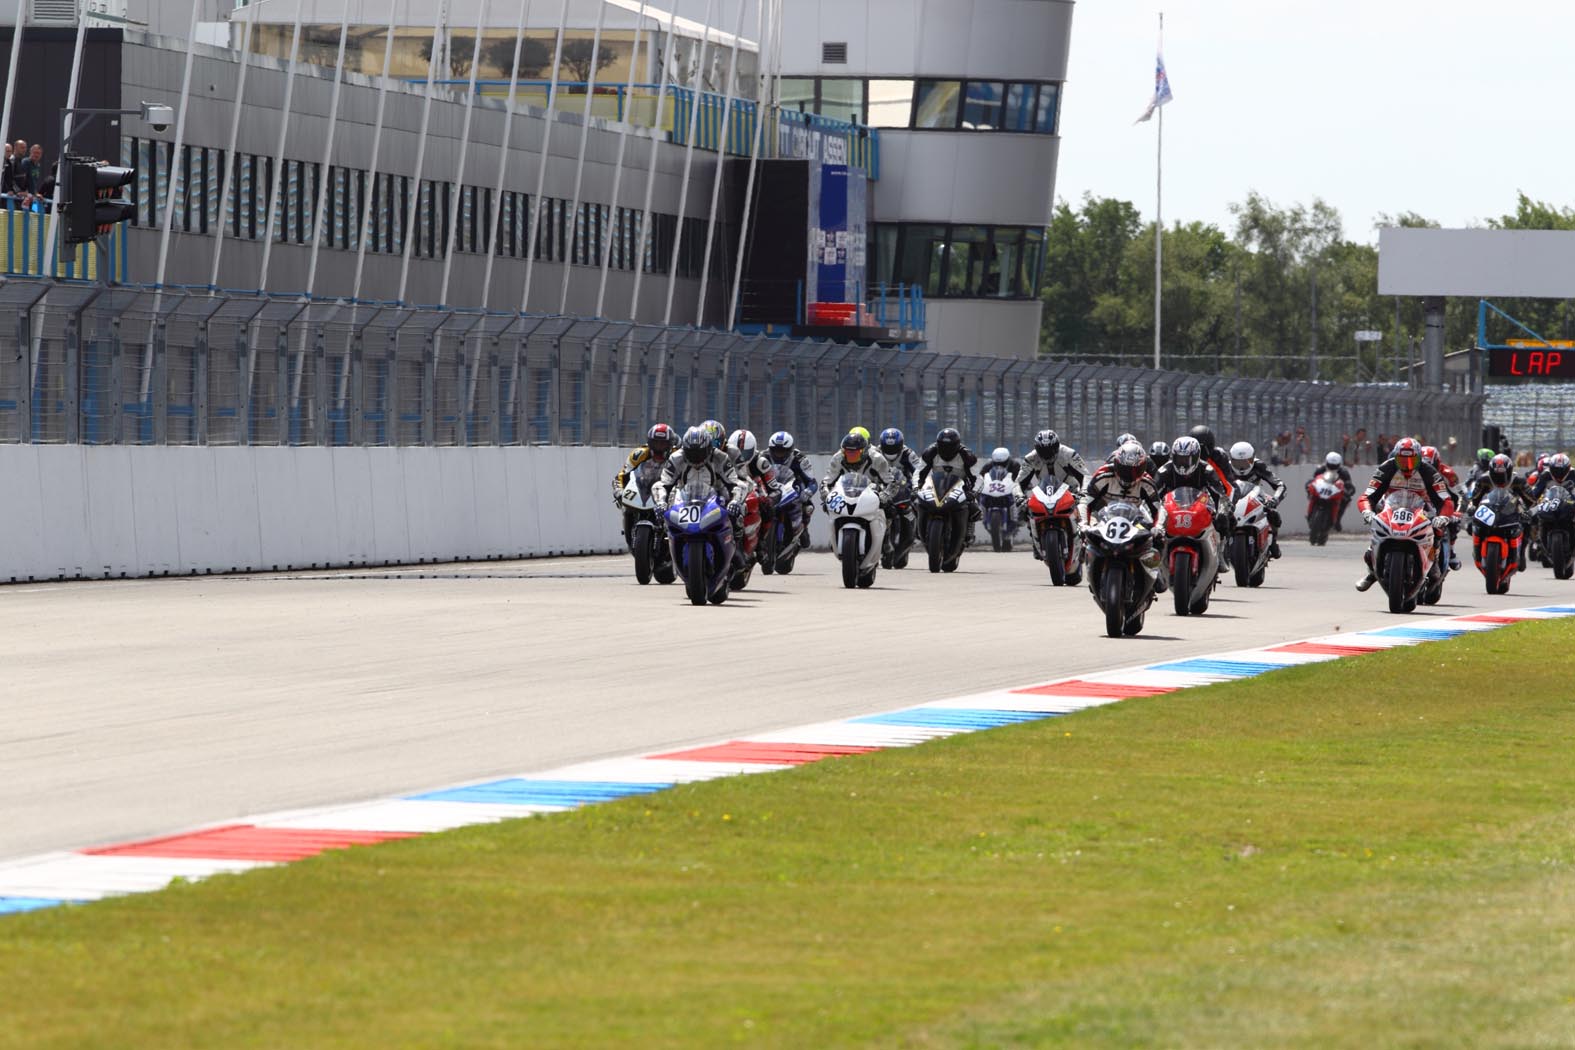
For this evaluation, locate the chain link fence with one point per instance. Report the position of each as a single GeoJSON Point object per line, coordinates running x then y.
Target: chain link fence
{"type": "Point", "coordinates": [95, 365]}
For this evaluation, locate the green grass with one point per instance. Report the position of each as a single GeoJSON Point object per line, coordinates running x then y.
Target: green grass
{"type": "Point", "coordinates": [1368, 853]}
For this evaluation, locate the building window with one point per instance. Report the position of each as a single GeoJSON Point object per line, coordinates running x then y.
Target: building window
{"type": "Point", "coordinates": [960, 262]}
{"type": "Point", "coordinates": [798, 93]}
{"type": "Point", "coordinates": [1049, 108]}
{"type": "Point", "coordinates": [935, 103]}
{"type": "Point", "coordinates": [1020, 107]}
{"type": "Point", "coordinates": [890, 103]}
{"type": "Point", "coordinates": [842, 100]}
{"type": "Point", "coordinates": [982, 105]}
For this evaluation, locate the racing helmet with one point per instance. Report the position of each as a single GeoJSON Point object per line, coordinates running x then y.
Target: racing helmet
{"type": "Point", "coordinates": [1242, 457]}
{"type": "Point", "coordinates": [863, 432]}
{"type": "Point", "coordinates": [1501, 470]}
{"type": "Point", "coordinates": [1334, 460]}
{"type": "Point", "coordinates": [1126, 439]}
{"type": "Point", "coordinates": [1159, 450]}
{"type": "Point", "coordinates": [1205, 437]}
{"type": "Point", "coordinates": [1407, 453]}
{"type": "Point", "coordinates": [697, 445]}
{"type": "Point", "coordinates": [1129, 462]}
{"type": "Point", "coordinates": [779, 447]}
{"type": "Point", "coordinates": [742, 444]}
{"type": "Point", "coordinates": [1000, 456]}
{"type": "Point", "coordinates": [948, 442]}
{"type": "Point", "coordinates": [1430, 455]}
{"type": "Point", "coordinates": [661, 440]}
{"type": "Point", "coordinates": [1048, 444]}
{"type": "Point", "coordinates": [854, 447]}
{"type": "Point", "coordinates": [715, 431]}
{"type": "Point", "coordinates": [1186, 455]}
{"type": "Point", "coordinates": [1559, 467]}
{"type": "Point", "coordinates": [891, 442]}
{"type": "Point", "coordinates": [1484, 457]}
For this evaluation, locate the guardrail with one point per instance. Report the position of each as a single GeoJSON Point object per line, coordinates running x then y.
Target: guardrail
{"type": "Point", "coordinates": [95, 365]}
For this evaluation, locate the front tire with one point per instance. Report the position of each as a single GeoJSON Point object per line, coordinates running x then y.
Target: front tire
{"type": "Point", "coordinates": [1241, 559]}
{"type": "Point", "coordinates": [997, 537]}
{"type": "Point", "coordinates": [1055, 561]}
{"type": "Point", "coordinates": [1112, 593]}
{"type": "Point", "coordinates": [935, 543]}
{"type": "Point", "coordinates": [1559, 555]}
{"type": "Point", "coordinates": [643, 556]}
{"type": "Point", "coordinates": [1394, 583]}
{"type": "Point", "coordinates": [1318, 525]}
{"type": "Point", "coordinates": [1492, 570]}
{"type": "Point", "coordinates": [850, 562]}
{"type": "Point", "coordinates": [694, 583]}
{"type": "Point", "coordinates": [768, 551]}
{"type": "Point", "coordinates": [1181, 586]}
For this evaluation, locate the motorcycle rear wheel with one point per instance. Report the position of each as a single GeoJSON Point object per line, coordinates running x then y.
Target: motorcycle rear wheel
{"type": "Point", "coordinates": [1055, 561]}
{"type": "Point", "coordinates": [1394, 583]}
{"type": "Point", "coordinates": [1181, 586]}
{"type": "Point", "coordinates": [935, 543]}
{"type": "Point", "coordinates": [1113, 598]}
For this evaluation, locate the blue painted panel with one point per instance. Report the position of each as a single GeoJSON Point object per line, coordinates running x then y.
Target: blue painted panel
{"type": "Point", "coordinates": [1418, 632]}
{"type": "Point", "coordinates": [518, 791]}
{"type": "Point", "coordinates": [954, 717]}
{"type": "Point", "coordinates": [14, 905]}
{"type": "Point", "coordinates": [1235, 668]}
{"type": "Point", "coordinates": [1562, 610]}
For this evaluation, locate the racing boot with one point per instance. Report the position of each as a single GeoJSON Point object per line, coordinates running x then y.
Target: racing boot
{"type": "Point", "coordinates": [1153, 566]}
{"type": "Point", "coordinates": [1371, 578]}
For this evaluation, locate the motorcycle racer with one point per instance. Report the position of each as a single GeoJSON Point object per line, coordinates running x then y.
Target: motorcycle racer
{"type": "Point", "coordinates": [1557, 472]}
{"type": "Point", "coordinates": [1452, 484]}
{"type": "Point", "coordinates": [755, 467]}
{"type": "Point", "coordinates": [1335, 462]}
{"type": "Point", "coordinates": [856, 457]}
{"type": "Point", "coordinates": [697, 459]}
{"type": "Point", "coordinates": [1186, 469]}
{"type": "Point", "coordinates": [660, 441]}
{"type": "Point", "coordinates": [1247, 468]}
{"type": "Point", "coordinates": [1054, 460]}
{"type": "Point", "coordinates": [1125, 480]}
{"type": "Point", "coordinates": [898, 455]}
{"type": "Point", "coordinates": [791, 462]}
{"type": "Point", "coordinates": [1403, 471]}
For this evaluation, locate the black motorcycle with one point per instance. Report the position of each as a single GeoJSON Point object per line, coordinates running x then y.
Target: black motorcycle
{"type": "Point", "coordinates": [1555, 516]}
{"type": "Point", "coordinates": [1118, 539]}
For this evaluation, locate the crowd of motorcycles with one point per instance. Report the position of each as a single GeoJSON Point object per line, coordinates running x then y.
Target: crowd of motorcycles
{"type": "Point", "coordinates": [1185, 539]}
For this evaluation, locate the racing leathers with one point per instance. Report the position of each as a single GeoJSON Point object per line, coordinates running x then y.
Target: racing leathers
{"type": "Point", "coordinates": [1261, 476]}
{"type": "Point", "coordinates": [717, 472]}
{"type": "Point", "coordinates": [1169, 479]}
{"type": "Point", "coordinates": [1106, 487]}
{"type": "Point", "coordinates": [905, 465]}
{"type": "Point", "coordinates": [1424, 482]}
{"type": "Point", "coordinates": [758, 470]}
{"type": "Point", "coordinates": [871, 464]}
{"type": "Point", "coordinates": [1345, 500]}
{"type": "Point", "coordinates": [1068, 467]}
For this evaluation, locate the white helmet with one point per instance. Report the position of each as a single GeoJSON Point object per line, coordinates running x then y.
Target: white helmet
{"type": "Point", "coordinates": [1241, 458]}
{"type": "Point", "coordinates": [1334, 459]}
{"type": "Point", "coordinates": [741, 443]}
{"type": "Point", "coordinates": [1000, 455]}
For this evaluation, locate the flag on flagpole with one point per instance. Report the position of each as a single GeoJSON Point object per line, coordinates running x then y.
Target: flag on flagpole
{"type": "Point", "coordinates": [1162, 93]}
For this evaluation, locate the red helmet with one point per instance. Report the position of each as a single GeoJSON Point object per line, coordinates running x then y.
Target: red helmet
{"type": "Point", "coordinates": [1430, 455]}
{"type": "Point", "coordinates": [1407, 453]}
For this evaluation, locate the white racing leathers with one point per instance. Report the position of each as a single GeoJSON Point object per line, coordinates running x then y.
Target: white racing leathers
{"type": "Point", "coordinates": [1068, 467]}
{"type": "Point", "coordinates": [872, 464]}
{"type": "Point", "coordinates": [717, 471]}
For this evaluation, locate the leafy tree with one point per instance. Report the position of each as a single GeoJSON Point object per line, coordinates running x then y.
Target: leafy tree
{"type": "Point", "coordinates": [535, 58]}
{"type": "Point", "coordinates": [579, 54]}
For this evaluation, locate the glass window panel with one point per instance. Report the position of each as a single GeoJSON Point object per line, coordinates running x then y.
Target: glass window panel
{"type": "Point", "coordinates": [885, 260]}
{"type": "Point", "coordinates": [890, 103]}
{"type": "Point", "coordinates": [1031, 264]}
{"type": "Point", "coordinates": [965, 263]}
{"type": "Point", "coordinates": [1049, 108]}
{"type": "Point", "coordinates": [1002, 263]}
{"type": "Point", "coordinates": [1020, 107]}
{"type": "Point", "coordinates": [842, 100]}
{"type": "Point", "coordinates": [935, 103]}
{"type": "Point", "coordinates": [212, 190]}
{"type": "Point", "coordinates": [798, 93]}
{"type": "Point", "coordinates": [920, 256]}
{"type": "Point", "coordinates": [983, 104]}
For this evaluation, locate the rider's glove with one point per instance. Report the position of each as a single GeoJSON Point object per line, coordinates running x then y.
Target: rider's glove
{"type": "Point", "coordinates": [1368, 516]}
{"type": "Point", "coordinates": [661, 507]}
{"type": "Point", "coordinates": [618, 499]}
{"type": "Point", "coordinates": [736, 509]}
{"type": "Point", "coordinates": [1441, 522]}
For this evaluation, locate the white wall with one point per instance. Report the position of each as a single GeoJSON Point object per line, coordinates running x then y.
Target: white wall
{"type": "Point", "coordinates": [78, 511]}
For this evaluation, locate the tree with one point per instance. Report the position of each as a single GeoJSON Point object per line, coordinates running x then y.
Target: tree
{"type": "Point", "coordinates": [578, 55]}
{"type": "Point", "coordinates": [535, 58]}
{"type": "Point", "coordinates": [460, 47]}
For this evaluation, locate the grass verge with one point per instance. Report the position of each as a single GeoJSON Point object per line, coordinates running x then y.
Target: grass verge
{"type": "Point", "coordinates": [1371, 852]}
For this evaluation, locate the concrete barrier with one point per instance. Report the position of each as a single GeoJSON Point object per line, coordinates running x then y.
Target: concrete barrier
{"type": "Point", "coordinates": [89, 512]}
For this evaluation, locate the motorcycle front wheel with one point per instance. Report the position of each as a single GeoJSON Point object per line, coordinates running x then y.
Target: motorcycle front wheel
{"type": "Point", "coordinates": [1055, 561]}
{"type": "Point", "coordinates": [1241, 559]}
{"type": "Point", "coordinates": [1559, 555]}
{"type": "Point", "coordinates": [1318, 526]}
{"type": "Point", "coordinates": [694, 585]}
{"type": "Point", "coordinates": [768, 550]}
{"type": "Point", "coordinates": [1113, 598]}
{"type": "Point", "coordinates": [643, 556]}
{"type": "Point", "coordinates": [850, 562]}
{"type": "Point", "coordinates": [935, 543]}
{"type": "Point", "coordinates": [1181, 586]}
{"type": "Point", "coordinates": [1394, 582]}
{"type": "Point", "coordinates": [1492, 571]}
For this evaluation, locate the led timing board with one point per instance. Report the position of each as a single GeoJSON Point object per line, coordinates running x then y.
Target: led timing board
{"type": "Point", "coordinates": [1525, 359]}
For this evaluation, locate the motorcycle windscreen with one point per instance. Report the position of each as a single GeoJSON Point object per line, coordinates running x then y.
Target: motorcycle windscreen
{"type": "Point", "coordinates": [853, 485]}
{"type": "Point", "coordinates": [1184, 497]}
{"type": "Point", "coordinates": [1402, 499]}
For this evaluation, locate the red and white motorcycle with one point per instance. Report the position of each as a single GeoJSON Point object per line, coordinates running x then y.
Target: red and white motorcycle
{"type": "Point", "coordinates": [1192, 557]}
{"type": "Point", "coordinates": [1251, 536]}
{"type": "Point", "coordinates": [1052, 509]}
{"type": "Point", "coordinates": [1404, 552]}
{"type": "Point", "coordinates": [1324, 494]}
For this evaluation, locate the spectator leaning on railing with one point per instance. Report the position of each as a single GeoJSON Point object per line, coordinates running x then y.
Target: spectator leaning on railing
{"type": "Point", "coordinates": [35, 183]}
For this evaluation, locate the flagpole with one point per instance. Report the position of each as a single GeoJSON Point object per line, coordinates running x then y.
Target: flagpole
{"type": "Point", "coordinates": [1159, 222]}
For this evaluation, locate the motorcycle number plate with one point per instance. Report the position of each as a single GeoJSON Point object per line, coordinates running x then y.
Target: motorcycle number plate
{"type": "Point", "coordinates": [1485, 515]}
{"type": "Point", "coordinates": [835, 502]}
{"type": "Point", "coordinates": [688, 514]}
{"type": "Point", "coordinates": [1401, 516]}
{"type": "Point", "coordinates": [1118, 529]}
{"type": "Point", "coordinates": [1184, 521]}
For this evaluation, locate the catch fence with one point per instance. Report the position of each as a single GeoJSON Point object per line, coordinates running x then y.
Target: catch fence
{"type": "Point", "coordinates": [121, 365]}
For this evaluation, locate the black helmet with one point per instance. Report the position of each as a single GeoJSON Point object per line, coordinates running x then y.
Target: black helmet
{"type": "Point", "coordinates": [948, 442]}
{"type": "Point", "coordinates": [1205, 438]}
{"type": "Point", "coordinates": [854, 447]}
{"type": "Point", "coordinates": [1559, 467]}
{"type": "Point", "coordinates": [1048, 444]}
{"type": "Point", "coordinates": [697, 445]}
{"type": "Point", "coordinates": [1501, 470]}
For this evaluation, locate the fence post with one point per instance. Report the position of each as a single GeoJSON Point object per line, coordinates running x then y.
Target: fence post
{"type": "Point", "coordinates": [555, 402]}
{"type": "Point", "coordinates": [199, 382]}
{"type": "Point", "coordinates": [24, 386]}
{"type": "Point", "coordinates": [115, 409]}
{"type": "Point", "coordinates": [429, 389]}
{"type": "Point", "coordinates": [353, 414]}
{"type": "Point", "coordinates": [320, 402]}
{"type": "Point", "coordinates": [73, 371]}
{"type": "Point", "coordinates": [281, 390]}
{"type": "Point", "coordinates": [389, 409]}
{"type": "Point", "coordinates": [495, 386]}
{"type": "Point", "coordinates": [243, 381]}
{"type": "Point", "coordinates": [161, 386]}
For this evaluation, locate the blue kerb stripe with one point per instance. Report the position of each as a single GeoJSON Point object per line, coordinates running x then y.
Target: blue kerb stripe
{"type": "Point", "coordinates": [517, 791]}
{"type": "Point", "coordinates": [953, 717]}
{"type": "Point", "coordinates": [14, 905]}
{"type": "Point", "coordinates": [1234, 668]}
{"type": "Point", "coordinates": [1418, 632]}
{"type": "Point", "coordinates": [1562, 610]}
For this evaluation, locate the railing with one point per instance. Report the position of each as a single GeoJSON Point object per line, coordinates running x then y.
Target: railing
{"type": "Point", "coordinates": [85, 364]}
{"type": "Point", "coordinates": [788, 133]}
{"type": "Point", "coordinates": [24, 240]}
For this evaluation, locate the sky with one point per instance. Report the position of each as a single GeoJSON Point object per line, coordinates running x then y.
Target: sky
{"type": "Point", "coordinates": [1444, 108]}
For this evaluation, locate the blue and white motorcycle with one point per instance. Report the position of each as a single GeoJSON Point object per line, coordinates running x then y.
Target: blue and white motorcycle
{"type": "Point", "coordinates": [779, 547]}
{"type": "Point", "coordinates": [858, 528]}
{"type": "Point", "coordinates": [701, 531]}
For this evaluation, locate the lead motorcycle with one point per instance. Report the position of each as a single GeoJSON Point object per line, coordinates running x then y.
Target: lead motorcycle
{"type": "Point", "coordinates": [1121, 566]}
{"type": "Point", "coordinates": [1052, 509]}
{"type": "Point", "coordinates": [1404, 554]}
{"type": "Point", "coordinates": [997, 495]}
{"type": "Point", "coordinates": [1555, 515]}
{"type": "Point", "coordinates": [1251, 535]}
{"type": "Point", "coordinates": [646, 538]}
{"type": "Point", "coordinates": [701, 532]}
{"type": "Point", "coordinates": [943, 518]}
{"type": "Point", "coordinates": [1496, 535]}
{"type": "Point", "coordinates": [858, 528]}
{"type": "Point", "coordinates": [1191, 550]}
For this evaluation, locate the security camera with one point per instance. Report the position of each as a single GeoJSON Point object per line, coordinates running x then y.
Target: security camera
{"type": "Point", "coordinates": [156, 116]}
